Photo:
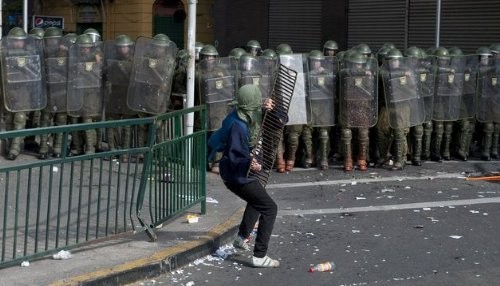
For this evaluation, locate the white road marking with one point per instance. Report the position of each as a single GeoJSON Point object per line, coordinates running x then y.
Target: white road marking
{"type": "Point", "coordinates": [392, 207]}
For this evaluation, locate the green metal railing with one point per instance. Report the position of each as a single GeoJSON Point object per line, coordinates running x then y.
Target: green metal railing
{"type": "Point", "coordinates": [61, 203]}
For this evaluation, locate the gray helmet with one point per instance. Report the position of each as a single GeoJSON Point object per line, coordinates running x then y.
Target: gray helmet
{"type": "Point", "coordinates": [364, 49]}
{"type": "Point", "coordinates": [93, 33]}
{"type": "Point", "coordinates": [413, 52]}
{"type": "Point", "coordinates": [388, 45]}
{"type": "Point", "coordinates": [247, 61]}
{"type": "Point", "coordinates": [84, 40]}
{"type": "Point", "coordinates": [209, 50]}
{"type": "Point", "coordinates": [270, 54]}
{"type": "Point", "coordinates": [284, 49]}
{"type": "Point", "coordinates": [394, 54]}
{"type": "Point", "coordinates": [495, 48]}
{"type": "Point", "coordinates": [442, 53]}
{"type": "Point", "coordinates": [36, 33]}
{"type": "Point", "coordinates": [70, 38]}
{"type": "Point", "coordinates": [484, 51]}
{"type": "Point", "coordinates": [17, 33]}
{"type": "Point", "coordinates": [161, 40]}
{"type": "Point", "coordinates": [253, 45]}
{"type": "Point", "coordinates": [455, 51]}
{"type": "Point", "coordinates": [53, 32]}
{"type": "Point", "coordinates": [330, 45]}
{"type": "Point", "coordinates": [356, 57]}
{"type": "Point", "coordinates": [123, 40]}
{"type": "Point", "coordinates": [237, 53]}
{"type": "Point", "coordinates": [316, 55]}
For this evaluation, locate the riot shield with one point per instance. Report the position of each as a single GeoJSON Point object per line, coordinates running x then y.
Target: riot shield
{"type": "Point", "coordinates": [468, 105]}
{"type": "Point", "coordinates": [22, 76]}
{"type": "Point", "coordinates": [56, 72]}
{"type": "Point", "coordinates": [402, 92]}
{"type": "Point", "coordinates": [151, 77]}
{"type": "Point", "coordinates": [217, 88]}
{"type": "Point", "coordinates": [449, 88]}
{"type": "Point", "coordinates": [487, 86]}
{"type": "Point", "coordinates": [117, 75]}
{"type": "Point", "coordinates": [269, 70]}
{"type": "Point", "coordinates": [358, 95]}
{"type": "Point", "coordinates": [321, 85]}
{"type": "Point", "coordinates": [426, 75]}
{"type": "Point", "coordinates": [85, 80]}
{"type": "Point", "coordinates": [297, 112]}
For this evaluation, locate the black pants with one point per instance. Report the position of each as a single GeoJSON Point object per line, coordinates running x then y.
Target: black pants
{"type": "Point", "coordinates": [259, 203]}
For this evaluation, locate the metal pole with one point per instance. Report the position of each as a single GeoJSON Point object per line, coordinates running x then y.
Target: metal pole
{"type": "Point", "coordinates": [1, 17]}
{"type": "Point", "coordinates": [438, 22]}
{"type": "Point", "coordinates": [25, 15]}
{"type": "Point", "coordinates": [190, 67]}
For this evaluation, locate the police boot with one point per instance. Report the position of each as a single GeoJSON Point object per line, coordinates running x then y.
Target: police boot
{"type": "Point", "coordinates": [418, 132]}
{"type": "Point", "coordinates": [293, 145]}
{"type": "Point", "coordinates": [19, 121]}
{"type": "Point", "coordinates": [90, 137]}
{"type": "Point", "coordinates": [494, 141]}
{"type": "Point", "coordinates": [61, 119]}
{"type": "Point", "coordinates": [363, 150]}
{"type": "Point", "coordinates": [486, 141]}
{"type": "Point", "coordinates": [308, 144]}
{"type": "Point", "coordinates": [399, 160]}
{"type": "Point", "coordinates": [280, 161]}
{"type": "Point", "coordinates": [426, 141]}
{"type": "Point", "coordinates": [44, 138]}
{"type": "Point", "coordinates": [448, 128]}
{"type": "Point", "coordinates": [463, 148]}
{"type": "Point", "coordinates": [436, 149]}
{"type": "Point", "coordinates": [347, 156]}
{"type": "Point", "coordinates": [323, 149]}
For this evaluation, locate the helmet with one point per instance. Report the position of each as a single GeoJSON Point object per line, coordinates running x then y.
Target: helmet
{"type": "Point", "coordinates": [340, 55]}
{"type": "Point", "coordinates": [356, 57]}
{"type": "Point", "coordinates": [70, 38]}
{"type": "Point", "coordinates": [455, 51]}
{"type": "Point", "coordinates": [388, 45]}
{"type": "Point", "coordinates": [237, 53]}
{"type": "Point", "coordinates": [284, 49]}
{"type": "Point", "coordinates": [123, 40]}
{"type": "Point", "coordinates": [253, 45]}
{"type": "Point", "coordinates": [36, 33]}
{"type": "Point", "coordinates": [331, 45]}
{"type": "Point", "coordinates": [394, 54]}
{"type": "Point", "coordinates": [442, 53]}
{"type": "Point", "coordinates": [431, 50]}
{"type": "Point", "coordinates": [93, 33]}
{"type": "Point", "coordinates": [197, 48]}
{"type": "Point", "coordinates": [247, 61]}
{"type": "Point", "coordinates": [316, 55]}
{"type": "Point", "coordinates": [364, 49]}
{"type": "Point", "coordinates": [161, 40]}
{"type": "Point", "coordinates": [84, 40]}
{"type": "Point", "coordinates": [495, 48]}
{"type": "Point", "coordinates": [382, 52]}
{"type": "Point", "coordinates": [270, 54]}
{"type": "Point", "coordinates": [17, 33]}
{"type": "Point", "coordinates": [52, 32]}
{"type": "Point", "coordinates": [209, 50]}
{"type": "Point", "coordinates": [484, 51]}
{"type": "Point", "coordinates": [413, 52]}
{"type": "Point", "coordinates": [181, 54]}
{"type": "Point", "coordinates": [424, 53]}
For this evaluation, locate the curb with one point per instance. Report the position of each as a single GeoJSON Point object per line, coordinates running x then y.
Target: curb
{"type": "Point", "coordinates": [161, 262]}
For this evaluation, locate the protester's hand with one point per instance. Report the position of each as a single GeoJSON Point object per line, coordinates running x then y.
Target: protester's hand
{"type": "Point", "coordinates": [268, 104]}
{"type": "Point", "coordinates": [255, 165]}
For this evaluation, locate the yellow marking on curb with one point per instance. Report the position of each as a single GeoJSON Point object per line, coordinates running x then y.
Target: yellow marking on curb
{"type": "Point", "coordinates": [155, 258]}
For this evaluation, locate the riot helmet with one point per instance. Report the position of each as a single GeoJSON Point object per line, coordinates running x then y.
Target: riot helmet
{"type": "Point", "coordinates": [388, 45]}
{"type": "Point", "coordinates": [208, 55]}
{"type": "Point", "coordinates": [443, 56]}
{"type": "Point", "coordinates": [85, 42]}
{"type": "Point", "coordinates": [413, 52]}
{"type": "Point", "coordinates": [253, 47]}
{"type": "Point", "coordinates": [124, 45]}
{"type": "Point", "coordinates": [364, 49]}
{"type": "Point", "coordinates": [17, 38]}
{"type": "Point", "coordinates": [284, 49]}
{"type": "Point", "coordinates": [247, 62]}
{"type": "Point", "coordinates": [237, 53]}
{"type": "Point", "coordinates": [485, 55]}
{"type": "Point", "coordinates": [52, 39]}
{"type": "Point", "coordinates": [70, 38]}
{"type": "Point", "coordinates": [330, 48]}
{"type": "Point", "coordinates": [355, 59]}
{"type": "Point", "coordinates": [455, 51]}
{"type": "Point", "coordinates": [269, 54]}
{"type": "Point", "coordinates": [315, 58]}
{"type": "Point", "coordinates": [36, 33]}
{"type": "Point", "coordinates": [197, 48]}
{"type": "Point", "coordinates": [94, 34]}
{"type": "Point", "coordinates": [393, 57]}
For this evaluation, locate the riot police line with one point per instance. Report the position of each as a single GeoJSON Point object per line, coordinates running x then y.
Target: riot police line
{"type": "Point", "coordinates": [351, 106]}
{"type": "Point", "coordinates": [369, 109]}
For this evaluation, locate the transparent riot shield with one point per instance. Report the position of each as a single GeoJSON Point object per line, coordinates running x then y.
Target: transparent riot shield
{"type": "Point", "coordinates": [487, 86]}
{"type": "Point", "coordinates": [321, 82]}
{"type": "Point", "coordinates": [449, 88]}
{"type": "Point", "coordinates": [358, 95]}
{"type": "Point", "coordinates": [217, 88]}
{"type": "Point", "coordinates": [117, 74]}
{"type": "Point", "coordinates": [402, 92]}
{"type": "Point", "coordinates": [56, 72]}
{"type": "Point", "coordinates": [151, 77]}
{"type": "Point", "coordinates": [297, 112]}
{"type": "Point", "coordinates": [22, 75]}
{"type": "Point", "coordinates": [85, 80]}
{"type": "Point", "coordinates": [468, 106]}
{"type": "Point", "coordinates": [269, 70]}
{"type": "Point", "coordinates": [426, 75]}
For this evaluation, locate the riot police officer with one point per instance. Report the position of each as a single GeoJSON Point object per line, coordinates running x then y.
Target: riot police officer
{"type": "Point", "coordinates": [93, 34]}
{"type": "Point", "coordinates": [179, 83]}
{"type": "Point", "coordinates": [330, 48]}
{"type": "Point", "coordinates": [237, 53]}
{"type": "Point", "coordinates": [253, 48]}
{"type": "Point", "coordinates": [495, 50]}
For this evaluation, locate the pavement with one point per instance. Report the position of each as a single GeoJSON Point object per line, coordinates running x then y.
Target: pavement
{"type": "Point", "coordinates": [130, 256]}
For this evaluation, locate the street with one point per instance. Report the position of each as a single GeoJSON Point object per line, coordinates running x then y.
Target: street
{"type": "Point", "coordinates": [420, 226]}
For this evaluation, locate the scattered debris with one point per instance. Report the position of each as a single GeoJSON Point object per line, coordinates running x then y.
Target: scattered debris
{"type": "Point", "coordinates": [62, 255]}
{"type": "Point", "coordinates": [192, 218]}
{"type": "Point", "coordinates": [211, 200]}
{"type": "Point", "coordinates": [25, 264]}
{"type": "Point", "coordinates": [456, 236]}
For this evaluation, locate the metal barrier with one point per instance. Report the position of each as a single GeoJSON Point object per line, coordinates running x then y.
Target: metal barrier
{"type": "Point", "coordinates": [61, 203]}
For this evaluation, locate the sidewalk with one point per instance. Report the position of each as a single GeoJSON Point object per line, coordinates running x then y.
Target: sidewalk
{"type": "Point", "coordinates": [130, 257]}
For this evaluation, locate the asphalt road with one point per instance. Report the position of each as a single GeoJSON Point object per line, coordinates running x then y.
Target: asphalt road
{"type": "Point", "coordinates": [419, 226]}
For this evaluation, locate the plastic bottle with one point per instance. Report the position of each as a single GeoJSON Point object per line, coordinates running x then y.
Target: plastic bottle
{"type": "Point", "coordinates": [323, 267]}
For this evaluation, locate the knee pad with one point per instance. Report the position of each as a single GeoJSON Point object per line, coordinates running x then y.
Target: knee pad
{"type": "Point", "coordinates": [346, 134]}
{"type": "Point", "coordinates": [418, 131]}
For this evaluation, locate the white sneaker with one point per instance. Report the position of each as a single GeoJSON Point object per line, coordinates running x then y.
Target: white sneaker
{"type": "Point", "coordinates": [241, 243]}
{"type": "Point", "coordinates": [264, 262]}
